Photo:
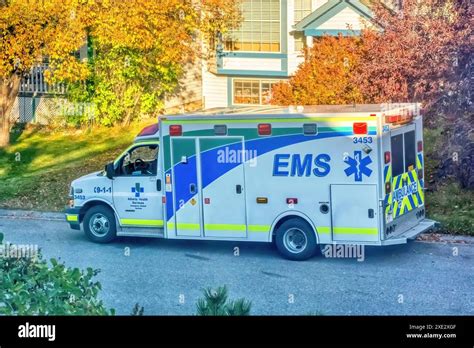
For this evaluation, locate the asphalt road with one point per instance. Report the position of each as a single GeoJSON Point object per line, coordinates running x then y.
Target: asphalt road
{"type": "Point", "coordinates": [166, 276]}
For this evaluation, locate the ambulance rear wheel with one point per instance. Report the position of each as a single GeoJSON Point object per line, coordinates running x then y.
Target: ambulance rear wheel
{"type": "Point", "coordinates": [99, 224]}
{"type": "Point", "coordinates": [295, 240]}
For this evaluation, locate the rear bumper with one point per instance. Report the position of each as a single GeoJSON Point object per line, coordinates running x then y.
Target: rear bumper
{"type": "Point", "coordinates": [423, 226]}
{"type": "Point", "coordinates": [72, 217]}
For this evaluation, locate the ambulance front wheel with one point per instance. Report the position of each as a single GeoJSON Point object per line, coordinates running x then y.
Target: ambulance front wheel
{"type": "Point", "coordinates": [295, 240]}
{"type": "Point", "coordinates": [99, 224]}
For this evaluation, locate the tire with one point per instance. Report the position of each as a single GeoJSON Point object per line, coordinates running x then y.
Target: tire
{"type": "Point", "coordinates": [99, 224]}
{"type": "Point", "coordinates": [296, 240]}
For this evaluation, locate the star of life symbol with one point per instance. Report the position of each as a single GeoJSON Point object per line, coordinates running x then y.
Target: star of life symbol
{"type": "Point", "coordinates": [137, 190]}
{"type": "Point", "coordinates": [358, 166]}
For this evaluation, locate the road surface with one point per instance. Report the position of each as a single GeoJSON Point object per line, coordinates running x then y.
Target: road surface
{"type": "Point", "coordinates": [167, 277]}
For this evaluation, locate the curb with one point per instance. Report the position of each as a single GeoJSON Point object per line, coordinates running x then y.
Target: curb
{"type": "Point", "coordinates": [35, 215]}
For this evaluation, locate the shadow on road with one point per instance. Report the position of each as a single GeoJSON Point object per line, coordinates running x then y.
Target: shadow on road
{"type": "Point", "coordinates": [206, 250]}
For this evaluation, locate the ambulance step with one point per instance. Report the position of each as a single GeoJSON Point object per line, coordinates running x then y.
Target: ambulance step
{"type": "Point", "coordinates": [141, 232]}
{"type": "Point", "coordinates": [423, 226]}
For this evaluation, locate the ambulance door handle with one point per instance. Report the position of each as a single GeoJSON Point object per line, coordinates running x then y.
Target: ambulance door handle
{"type": "Point", "coordinates": [158, 185]}
{"type": "Point", "coordinates": [192, 189]}
{"type": "Point", "coordinates": [371, 214]}
{"type": "Point", "coordinates": [238, 189]}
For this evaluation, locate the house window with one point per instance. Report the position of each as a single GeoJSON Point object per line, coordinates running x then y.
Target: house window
{"type": "Point", "coordinates": [255, 92]}
{"type": "Point", "coordinates": [301, 10]}
{"type": "Point", "coordinates": [260, 28]}
{"type": "Point", "coordinates": [299, 42]}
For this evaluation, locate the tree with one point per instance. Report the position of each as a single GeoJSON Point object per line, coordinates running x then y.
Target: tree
{"type": "Point", "coordinates": [29, 31]}
{"type": "Point", "coordinates": [141, 49]}
{"type": "Point", "coordinates": [215, 303]}
{"type": "Point", "coordinates": [421, 54]}
{"type": "Point", "coordinates": [325, 76]}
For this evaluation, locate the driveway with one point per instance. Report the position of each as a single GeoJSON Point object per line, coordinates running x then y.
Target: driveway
{"type": "Point", "coordinates": [166, 276]}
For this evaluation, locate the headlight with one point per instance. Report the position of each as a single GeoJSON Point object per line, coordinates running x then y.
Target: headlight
{"type": "Point", "coordinates": [70, 201]}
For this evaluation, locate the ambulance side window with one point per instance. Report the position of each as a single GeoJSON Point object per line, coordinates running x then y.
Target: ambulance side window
{"type": "Point", "coordinates": [397, 155]}
{"type": "Point", "coordinates": [140, 161]}
{"type": "Point", "coordinates": [410, 151]}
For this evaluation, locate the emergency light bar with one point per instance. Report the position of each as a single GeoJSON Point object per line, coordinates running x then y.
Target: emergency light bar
{"type": "Point", "coordinates": [149, 130]}
{"type": "Point", "coordinates": [264, 129]}
{"type": "Point", "coordinates": [360, 128]}
{"type": "Point", "coordinates": [176, 130]}
{"type": "Point", "coordinates": [403, 118]}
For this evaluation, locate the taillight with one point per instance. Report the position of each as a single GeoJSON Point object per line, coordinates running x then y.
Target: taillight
{"type": "Point", "coordinates": [176, 130]}
{"type": "Point", "coordinates": [359, 128]}
{"type": "Point", "coordinates": [264, 129]}
{"type": "Point", "coordinates": [388, 188]}
{"type": "Point", "coordinates": [420, 146]}
{"type": "Point", "coordinates": [387, 157]}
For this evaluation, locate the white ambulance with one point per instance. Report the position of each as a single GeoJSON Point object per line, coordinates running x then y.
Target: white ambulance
{"type": "Point", "coordinates": [300, 177]}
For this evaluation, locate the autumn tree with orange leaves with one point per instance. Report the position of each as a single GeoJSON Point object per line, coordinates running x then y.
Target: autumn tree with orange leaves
{"type": "Point", "coordinates": [421, 54]}
{"type": "Point", "coordinates": [140, 45]}
{"type": "Point", "coordinates": [418, 53]}
{"type": "Point", "coordinates": [29, 31]}
{"type": "Point", "coordinates": [326, 75]}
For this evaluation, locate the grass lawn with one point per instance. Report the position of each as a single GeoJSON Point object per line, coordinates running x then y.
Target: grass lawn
{"type": "Point", "coordinates": [38, 166]}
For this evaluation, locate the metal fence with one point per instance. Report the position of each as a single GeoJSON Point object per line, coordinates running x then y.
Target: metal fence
{"type": "Point", "coordinates": [35, 83]}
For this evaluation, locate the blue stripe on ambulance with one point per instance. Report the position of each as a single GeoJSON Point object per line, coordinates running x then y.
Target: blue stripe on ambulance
{"type": "Point", "coordinates": [260, 146]}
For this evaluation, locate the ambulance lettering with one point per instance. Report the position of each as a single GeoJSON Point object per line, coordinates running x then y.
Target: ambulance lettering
{"type": "Point", "coordinates": [301, 165]}
{"type": "Point", "coordinates": [405, 190]}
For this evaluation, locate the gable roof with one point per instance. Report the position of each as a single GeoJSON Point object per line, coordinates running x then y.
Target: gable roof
{"type": "Point", "coordinates": [329, 10]}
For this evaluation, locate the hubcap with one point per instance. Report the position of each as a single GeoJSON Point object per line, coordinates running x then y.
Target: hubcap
{"type": "Point", "coordinates": [295, 240]}
{"type": "Point", "coordinates": [99, 225]}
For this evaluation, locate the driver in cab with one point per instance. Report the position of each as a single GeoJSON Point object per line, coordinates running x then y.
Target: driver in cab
{"type": "Point", "coordinates": [140, 161]}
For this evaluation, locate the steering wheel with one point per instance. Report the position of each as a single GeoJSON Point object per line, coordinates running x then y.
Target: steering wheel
{"type": "Point", "coordinates": [140, 164]}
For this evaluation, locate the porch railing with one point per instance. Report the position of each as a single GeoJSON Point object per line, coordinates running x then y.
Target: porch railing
{"type": "Point", "coordinates": [35, 83]}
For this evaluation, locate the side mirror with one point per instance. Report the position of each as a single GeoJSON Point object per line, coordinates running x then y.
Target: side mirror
{"type": "Point", "coordinates": [109, 171]}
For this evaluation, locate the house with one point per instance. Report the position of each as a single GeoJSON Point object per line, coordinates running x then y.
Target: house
{"type": "Point", "coordinates": [267, 47]}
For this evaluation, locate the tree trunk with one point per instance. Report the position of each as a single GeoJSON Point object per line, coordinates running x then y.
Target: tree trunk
{"type": "Point", "coordinates": [127, 119]}
{"type": "Point", "coordinates": [8, 93]}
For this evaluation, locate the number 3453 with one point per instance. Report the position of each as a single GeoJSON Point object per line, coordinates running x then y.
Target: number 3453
{"type": "Point", "coordinates": [362, 140]}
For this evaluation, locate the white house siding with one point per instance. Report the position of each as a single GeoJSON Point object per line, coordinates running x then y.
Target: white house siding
{"type": "Point", "coordinates": [296, 57]}
{"type": "Point", "coordinates": [188, 94]}
{"type": "Point", "coordinates": [251, 64]}
{"type": "Point", "coordinates": [347, 18]}
{"type": "Point", "coordinates": [214, 90]}
{"type": "Point", "coordinates": [294, 60]}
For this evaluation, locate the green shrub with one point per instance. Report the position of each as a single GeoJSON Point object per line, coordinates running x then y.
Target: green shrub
{"type": "Point", "coordinates": [215, 303]}
{"type": "Point", "coordinates": [452, 207]}
{"type": "Point", "coordinates": [32, 286]}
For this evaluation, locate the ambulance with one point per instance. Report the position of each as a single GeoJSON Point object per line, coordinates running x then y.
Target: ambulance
{"type": "Point", "coordinates": [300, 177]}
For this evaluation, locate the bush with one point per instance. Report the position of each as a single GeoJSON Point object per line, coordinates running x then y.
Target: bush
{"type": "Point", "coordinates": [215, 303]}
{"type": "Point", "coordinates": [325, 76]}
{"type": "Point", "coordinates": [31, 286]}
